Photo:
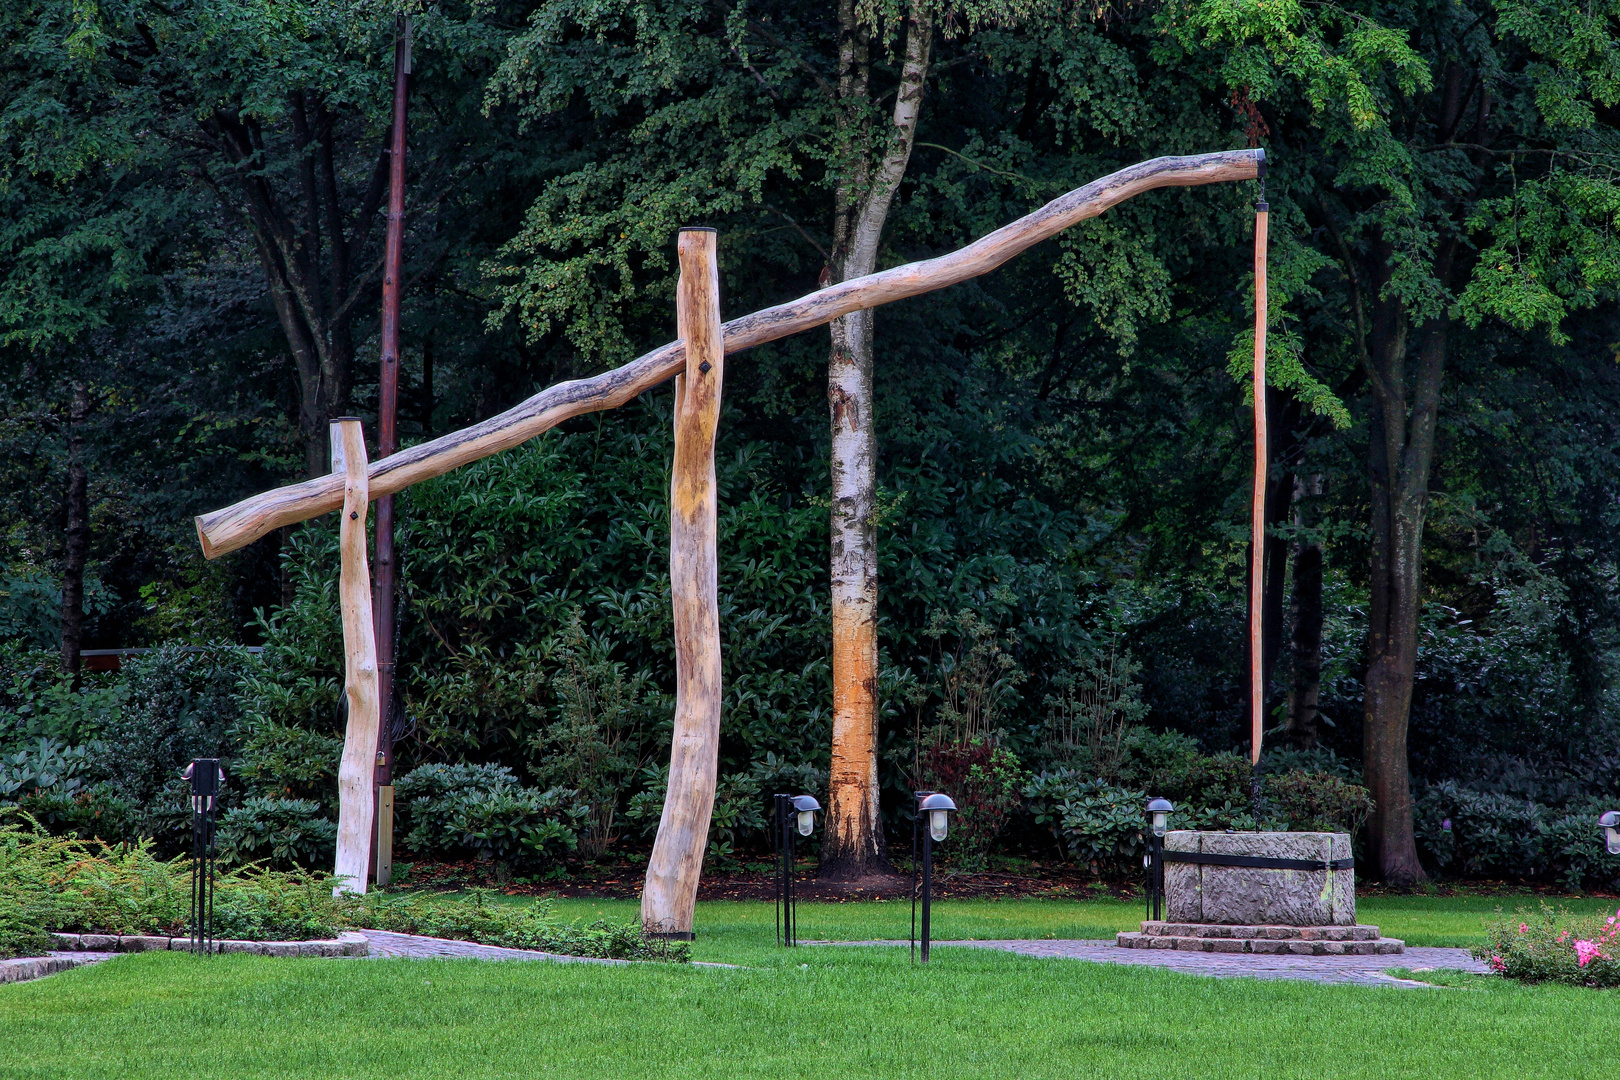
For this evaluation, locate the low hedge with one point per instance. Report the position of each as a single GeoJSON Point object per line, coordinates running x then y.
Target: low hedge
{"type": "Point", "coordinates": [56, 883]}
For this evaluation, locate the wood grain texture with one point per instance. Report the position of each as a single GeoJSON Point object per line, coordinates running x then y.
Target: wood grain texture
{"type": "Point", "coordinates": [355, 770]}
{"type": "Point", "coordinates": [238, 525]}
{"type": "Point", "coordinates": [670, 892]}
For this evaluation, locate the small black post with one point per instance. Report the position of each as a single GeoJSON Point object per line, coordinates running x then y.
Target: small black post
{"type": "Point", "coordinates": [927, 888]}
{"type": "Point", "coordinates": [916, 818]}
{"type": "Point", "coordinates": [206, 778]}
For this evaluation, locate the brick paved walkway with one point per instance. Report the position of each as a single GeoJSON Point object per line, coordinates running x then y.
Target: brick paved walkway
{"type": "Point", "coordinates": [1363, 970]}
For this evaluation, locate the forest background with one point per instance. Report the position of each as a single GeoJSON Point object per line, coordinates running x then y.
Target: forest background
{"type": "Point", "coordinates": [190, 245]}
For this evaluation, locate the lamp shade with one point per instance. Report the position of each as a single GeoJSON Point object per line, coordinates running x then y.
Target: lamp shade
{"type": "Point", "coordinates": [806, 808]}
{"type": "Point", "coordinates": [1159, 810]}
{"type": "Point", "coordinates": [937, 807]}
{"type": "Point", "coordinates": [1610, 823]}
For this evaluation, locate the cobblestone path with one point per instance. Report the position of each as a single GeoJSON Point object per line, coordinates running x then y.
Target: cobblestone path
{"type": "Point", "coordinates": [1364, 970]}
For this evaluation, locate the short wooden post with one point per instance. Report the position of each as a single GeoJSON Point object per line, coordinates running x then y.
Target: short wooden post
{"type": "Point", "coordinates": [385, 834]}
{"type": "Point", "coordinates": [355, 772]}
{"type": "Point", "coordinates": [670, 893]}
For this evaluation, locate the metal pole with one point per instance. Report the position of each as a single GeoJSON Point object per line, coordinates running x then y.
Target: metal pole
{"type": "Point", "coordinates": [776, 839]}
{"type": "Point", "coordinates": [387, 567]}
{"type": "Point", "coordinates": [927, 888]}
{"type": "Point", "coordinates": [1262, 460]}
{"type": "Point", "coordinates": [791, 912]}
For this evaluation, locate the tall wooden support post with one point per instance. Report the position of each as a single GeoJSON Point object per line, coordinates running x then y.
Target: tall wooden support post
{"type": "Point", "coordinates": [382, 851]}
{"type": "Point", "coordinates": [1262, 461]}
{"type": "Point", "coordinates": [670, 893]}
{"type": "Point", "coordinates": [356, 808]}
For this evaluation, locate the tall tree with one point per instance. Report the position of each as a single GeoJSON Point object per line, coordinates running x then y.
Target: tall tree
{"type": "Point", "coordinates": [862, 195]}
{"type": "Point", "coordinates": [1424, 133]}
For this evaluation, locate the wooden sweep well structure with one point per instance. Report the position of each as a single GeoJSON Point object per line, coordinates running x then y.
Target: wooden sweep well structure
{"type": "Point", "coordinates": [697, 362]}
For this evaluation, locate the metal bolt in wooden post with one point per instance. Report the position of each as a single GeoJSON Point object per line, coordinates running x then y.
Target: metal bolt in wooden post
{"type": "Point", "coordinates": [670, 893]}
{"type": "Point", "coordinates": [356, 806]}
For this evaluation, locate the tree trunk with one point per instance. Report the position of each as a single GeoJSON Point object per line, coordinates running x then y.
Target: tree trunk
{"type": "Point", "coordinates": [1305, 617]}
{"type": "Point", "coordinates": [309, 260]}
{"type": "Point", "coordinates": [853, 846]}
{"type": "Point", "coordinates": [76, 539]}
{"type": "Point", "coordinates": [1401, 452]}
{"type": "Point", "coordinates": [673, 871]}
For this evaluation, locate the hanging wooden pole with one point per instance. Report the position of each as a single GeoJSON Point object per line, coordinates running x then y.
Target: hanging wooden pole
{"type": "Point", "coordinates": [670, 893]}
{"type": "Point", "coordinates": [1262, 460]}
{"type": "Point", "coordinates": [388, 442]}
{"type": "Point", "coordinates": [355, 799]}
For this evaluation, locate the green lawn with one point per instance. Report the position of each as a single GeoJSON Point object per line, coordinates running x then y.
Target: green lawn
{"type": "Point", "coordinates": [811, 1012]}
{"type": "Point", "coordinates": [725, 926]}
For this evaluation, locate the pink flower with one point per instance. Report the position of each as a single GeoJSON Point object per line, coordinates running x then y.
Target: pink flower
{"type": "Point", "coordinates": [1524, 928]}
{"type": "Point", "coordinates": [1498, 965]}
{"type": "Point", "coordinates": [1562, 937]}
{"type": "Point", "coordinates": [1586, 952]}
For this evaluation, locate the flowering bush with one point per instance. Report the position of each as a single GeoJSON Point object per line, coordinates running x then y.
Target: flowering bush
{"type": "Point", "coordinates": [1555, 946]}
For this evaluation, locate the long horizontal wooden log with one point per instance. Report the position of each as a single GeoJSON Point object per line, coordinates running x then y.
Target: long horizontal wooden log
{"type": "Point", "coordinates": [239, 525]}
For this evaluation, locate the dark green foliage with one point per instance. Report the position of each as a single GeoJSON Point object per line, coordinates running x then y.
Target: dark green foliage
{"type": "Point", "coordinates": [279, 832]}
{"type": "Point", "coordinates": [181, 705]}
{"type": "Point", "coordinates": [985, 781]}
{"type": "Point", "coordinates": [1470, 833]}
{"type": "Point", "coordinates": [527, 926]}
{"type": "Point", "coordinates": [1318, 802]}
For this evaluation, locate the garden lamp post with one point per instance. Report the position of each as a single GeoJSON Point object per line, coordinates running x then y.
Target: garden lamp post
{"type": "Point", "coordinates": [795, 816]}
{"type": "Point", "coordinates": [1610, 823]}
{"type": "Point", "coordinates": [933, 810]}
{"type": "Point", "coordinates": [1159, 811]}
{"type": "Point", "coordinates": [207, 778]}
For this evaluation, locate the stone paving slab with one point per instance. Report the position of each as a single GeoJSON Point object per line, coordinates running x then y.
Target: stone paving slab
{"type": "Point", "coordinates": [1362, 970]}
{"type": "Point", "coordinates": [24, 968]}
{"type": "Point", "coordinates": [385, 943]}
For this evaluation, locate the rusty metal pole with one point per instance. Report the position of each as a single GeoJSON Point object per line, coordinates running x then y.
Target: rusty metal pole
{"type": "Point", "coordinates": [387, 567]}
{"type": "Point", "coordinates": [1257, 563]}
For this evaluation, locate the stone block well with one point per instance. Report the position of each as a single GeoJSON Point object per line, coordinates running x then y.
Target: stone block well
{"type": "Point", "coordinates": [1246, 895]}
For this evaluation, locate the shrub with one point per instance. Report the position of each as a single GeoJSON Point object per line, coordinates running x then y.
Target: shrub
{"type": "Point", "coordinates": [527, 926]}
{"type": "Point", "coordinates": [985, 780]}
{"type": "Point", "coordinates": [292, 762]}
{"type": "Point", "coordinates": [482, 810]}
{"type": "Point", "coordinates": [283, 832]}
{"type": "Point", "coordinates": [61, 883]}
{"type": "Point", "coordinates": [1554, 946]}
{"type": "Point", "coordinates": [1318, 802]}
{"type": "Point", "coordinates": [1094, 822]}
{"type": "Point", "coordinates": [181, 705]}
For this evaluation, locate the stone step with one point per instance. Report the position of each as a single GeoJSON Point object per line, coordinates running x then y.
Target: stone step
{"type": "Point", "coordinates": [1154, 928]}
{"type": "Point", "coordinates": [1377, 946]}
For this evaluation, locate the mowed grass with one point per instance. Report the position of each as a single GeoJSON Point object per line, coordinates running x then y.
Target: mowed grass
{"type": "Point", "coordinates": [725, 927]}
{"type": "Point", "coordinates": [812, 1012]}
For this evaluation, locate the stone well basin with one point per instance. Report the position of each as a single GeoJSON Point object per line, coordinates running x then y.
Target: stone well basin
{"type": "Point", "coordinates": [1249, 895]}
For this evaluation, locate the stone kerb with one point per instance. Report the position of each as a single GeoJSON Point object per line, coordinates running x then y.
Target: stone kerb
{"type": "Point", "coordinates": [1249, 896]}
{"type": "Point", "coordinates": [346, 944]}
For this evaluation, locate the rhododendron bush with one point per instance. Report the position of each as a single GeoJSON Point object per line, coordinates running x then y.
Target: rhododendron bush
{"type": "Point", "coordinates": [1554, 945]}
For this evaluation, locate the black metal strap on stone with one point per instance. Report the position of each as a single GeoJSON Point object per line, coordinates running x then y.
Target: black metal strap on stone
{"type": "Point", "coordinates": [1261, 862]}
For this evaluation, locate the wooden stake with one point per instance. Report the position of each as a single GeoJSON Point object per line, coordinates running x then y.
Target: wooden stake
{"type": "Point", "coordinates": [670, 893]}
{"type": "Point", "coordinates": [242, 523]}
{"type": "Point", "coordinates": [355, 792]}
{"type": "Point", "coordinates": [1262, 460]}
{"type": "Point", "coordinates": [385, 834]}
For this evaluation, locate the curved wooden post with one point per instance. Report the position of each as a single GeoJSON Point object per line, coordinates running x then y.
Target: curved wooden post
{"type": "Point", "coordinates": [670, 893]}
{"type": "Point", "coordinates": [355, 806]}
